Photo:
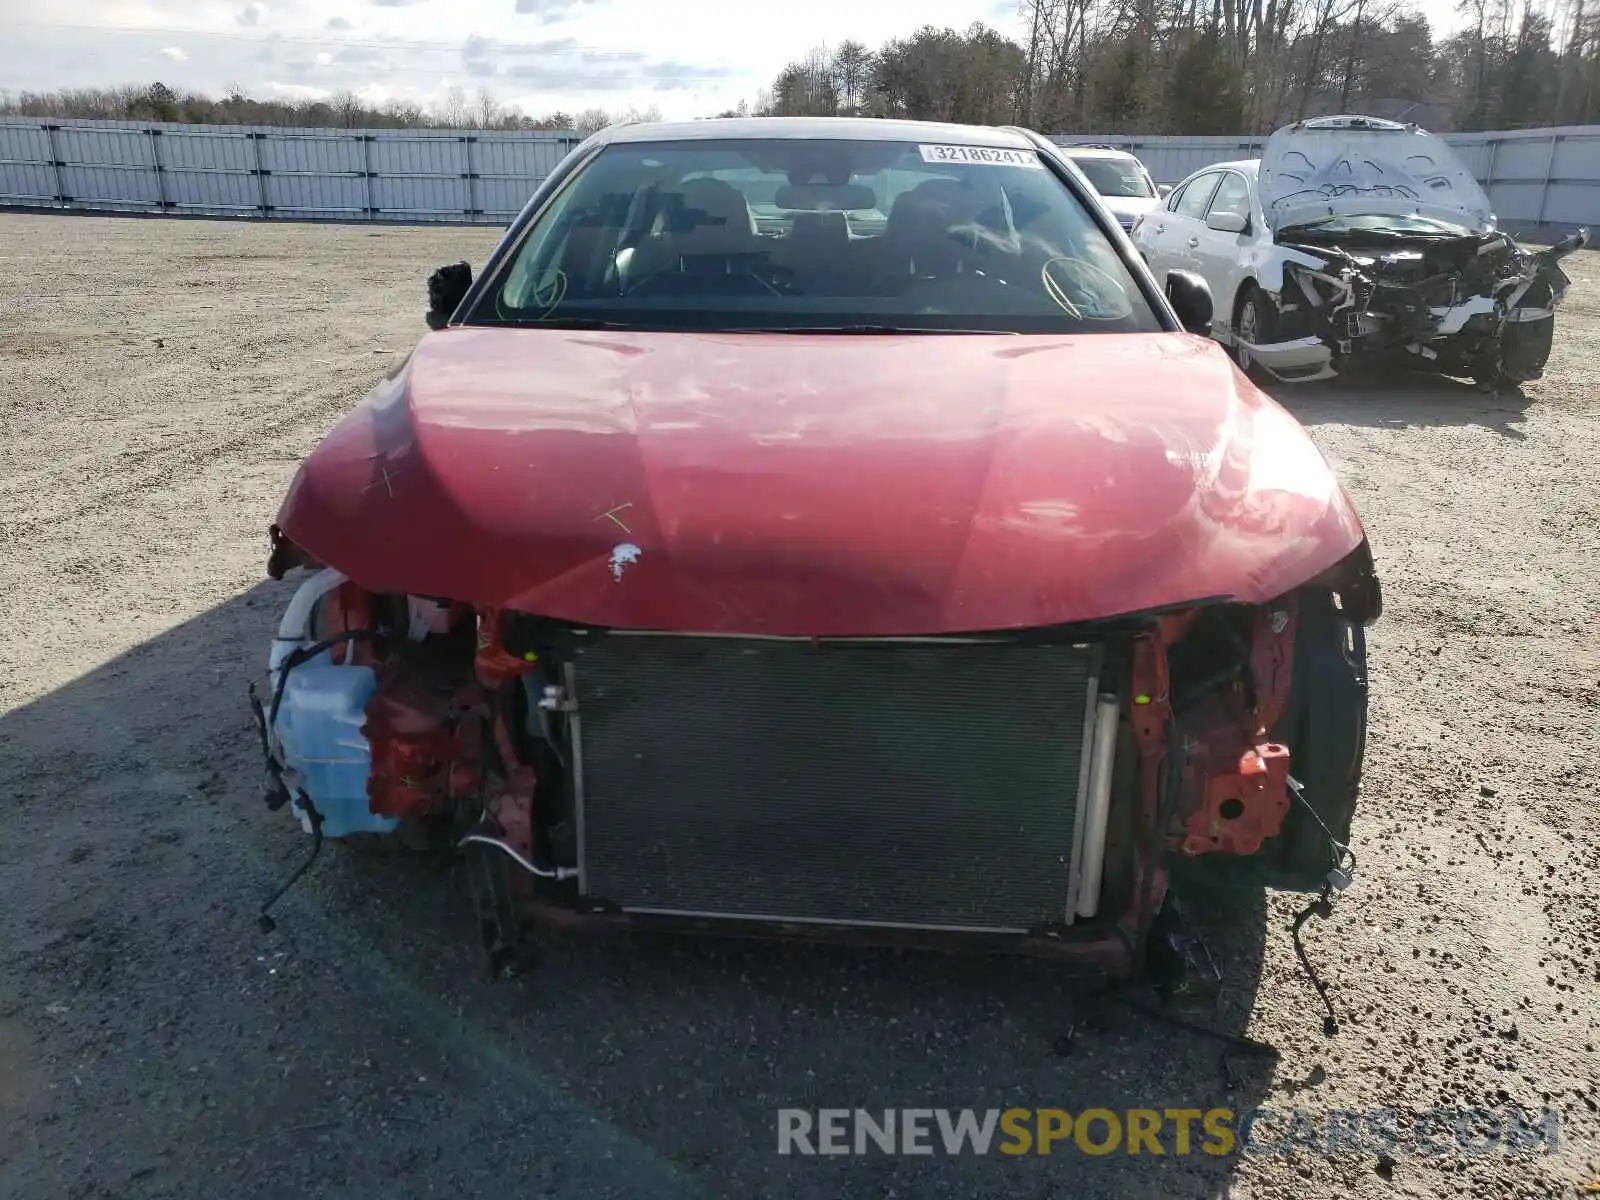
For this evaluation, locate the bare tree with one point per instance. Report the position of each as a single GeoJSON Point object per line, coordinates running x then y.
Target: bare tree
{"type": "Point", "coordinates": [346, 108]}
{"type": "Point", "coordinates": [851, 71]}
{"type": "Point", "coordinates": [486, 110]}
{"type": "Point", "coordinates": [452, 108]}
{"type": "Point", "coordinates": [591, 120]}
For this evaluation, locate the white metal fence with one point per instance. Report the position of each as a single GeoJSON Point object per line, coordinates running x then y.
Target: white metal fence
{"type": "Point", "coordinates": [231, 170]}
{"type": "Point", "coordinates": [1534, 177]}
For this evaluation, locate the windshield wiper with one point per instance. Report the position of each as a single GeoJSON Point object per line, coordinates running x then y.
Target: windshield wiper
{"type": "Point", "coordinates": [662, 327]}
{"type": "Point", "coordinates": [860, 329]}
{"type": "Point", "coordinates": [575, 323]}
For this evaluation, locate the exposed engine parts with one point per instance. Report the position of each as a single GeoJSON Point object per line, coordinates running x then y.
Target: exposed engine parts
{"type": "Point", "coordinates": [1480, 307]}
{"type": "Point", "coordinates": [619, 776]}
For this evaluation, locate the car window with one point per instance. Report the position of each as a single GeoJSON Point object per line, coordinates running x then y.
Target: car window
{"type": "Point", "coordinates": [1233, 195]}
{"type": "Point", "coordinates": [795, 234]}
{"type": "Point", "coordinates": [1196, 196]}
{"type": "Point", "coordinates": [1123, 178]}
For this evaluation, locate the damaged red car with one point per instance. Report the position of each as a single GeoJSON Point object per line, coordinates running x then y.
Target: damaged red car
{"type": "Point", "coordinates": [824, 528]}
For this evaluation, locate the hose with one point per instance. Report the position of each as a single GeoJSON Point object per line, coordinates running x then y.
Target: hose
{"type": "Point", "coordinates": [558, 873]}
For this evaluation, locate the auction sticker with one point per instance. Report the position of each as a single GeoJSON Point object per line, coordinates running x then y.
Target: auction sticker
{"type": "Point", "coordinates": [981, 155]}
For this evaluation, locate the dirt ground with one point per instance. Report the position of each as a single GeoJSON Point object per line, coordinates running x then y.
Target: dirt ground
{"type": "Point", "coordinates": [159, 381]}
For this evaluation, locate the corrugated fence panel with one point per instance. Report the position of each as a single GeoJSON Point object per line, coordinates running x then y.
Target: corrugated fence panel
{"type": "Point", "coordinates": [429, 196]}
{"type": "Point", "coordinates": [128, 146]}
{"type": "Point", "coordinates": [317, 195]}
{"type": "Point", "coordinates": [411, 154]}
{"type": "Point", "coordinates": [1549, 176]}
{"type": "Point", "coordinates": [207, 151]}
{"type": "Point", "coordinates": [312, 154]}
{"type": "Point", "coordinates": [26, 173]}
{"type": "Point", "coordinates": [423, 177]}
{"type": "Point", "coordinates": [26, 183]}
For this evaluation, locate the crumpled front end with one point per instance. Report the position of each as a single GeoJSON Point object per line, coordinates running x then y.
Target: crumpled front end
{"type": "Point", "coordinates": [1025, 788]}
{"type": "Point", "coordinates": [747, 647]}
{"type": "Point", "coordinates": [1478, 307]}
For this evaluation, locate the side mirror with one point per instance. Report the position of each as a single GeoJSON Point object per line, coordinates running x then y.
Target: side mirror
{"type": "Point", "coordinates": [1190, 296]}
{"type": "Point", "coordinates": [1227, 222]}
{"type": "Point", "coordinates": [1163, 190]}
{"type": "Point", "coordinates": [446, 288]}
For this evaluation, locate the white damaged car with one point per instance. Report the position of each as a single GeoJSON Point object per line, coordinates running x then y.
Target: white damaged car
{"type": "Point", "coordinates": [1357, 241]}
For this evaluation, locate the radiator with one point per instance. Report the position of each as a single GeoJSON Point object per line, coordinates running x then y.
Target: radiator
{"type": "Point", "coordinates": [931, 784]}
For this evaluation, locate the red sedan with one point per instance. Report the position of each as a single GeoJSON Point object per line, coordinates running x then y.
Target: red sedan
{"type": "Point", "coordinates": [825, 527]}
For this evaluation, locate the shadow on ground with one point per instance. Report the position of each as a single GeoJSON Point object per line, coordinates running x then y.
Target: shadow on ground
{"type": "Point", "coordinates": [154, 1043]}
{"type": "Point", "coordinates": [1403, 399]}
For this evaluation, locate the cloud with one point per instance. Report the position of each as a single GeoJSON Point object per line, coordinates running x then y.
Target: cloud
{"type": "Point", "coordinates": [396, 3]}
{"type": "Point", "coordinates": [175, 53]}
{"type": "Point", "coordinates": [546, 10]}
{"type": "Point", "coordinates": [475, 58]}
{"type": "Point", "coordinates": [340, 23]}
{"type": "Point", "coordinates": [358, 54]}
{"type": "Point", "coordinates": [664, 75]}
{"type": "Point", "coordinates": [249, 15]}
{"type": "Point", "coordinates": [296, 91]}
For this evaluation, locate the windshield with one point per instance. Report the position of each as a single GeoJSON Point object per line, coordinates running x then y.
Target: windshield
{"type": "Point", "coordinates": [809, 234]}
{"type": "Point", "coordinates": [1116, 177]}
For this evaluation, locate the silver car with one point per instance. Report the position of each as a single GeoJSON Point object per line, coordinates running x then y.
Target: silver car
{"type": "Point", "coordinates": [1120, 178]}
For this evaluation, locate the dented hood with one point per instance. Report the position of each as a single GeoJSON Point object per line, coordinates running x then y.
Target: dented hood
{"type": "Point", "coordinates": [1363, 166]}
{"type": "Point", "coordinates": [824, 485]}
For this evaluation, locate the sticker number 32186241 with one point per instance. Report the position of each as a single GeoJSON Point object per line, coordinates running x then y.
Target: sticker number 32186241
{"type": "Point", "coordinates": [990, 156]}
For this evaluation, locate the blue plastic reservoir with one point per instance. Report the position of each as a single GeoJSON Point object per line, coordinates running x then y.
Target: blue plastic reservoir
{"type": "Point", "coordinates": [319, 729]}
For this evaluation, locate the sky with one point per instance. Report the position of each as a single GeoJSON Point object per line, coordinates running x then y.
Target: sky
{"type": "Point", "coordinates": [689, 58]}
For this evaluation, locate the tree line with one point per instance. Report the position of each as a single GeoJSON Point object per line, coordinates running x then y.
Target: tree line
{"type": "Point", "coordinates": [1092, 66]}
{"type": "Point", "coordinates": [343, 110]}
{"type": "Point", "coordinates": [1218, 67]}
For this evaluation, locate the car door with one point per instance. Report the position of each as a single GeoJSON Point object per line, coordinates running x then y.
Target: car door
{"type": "Point", "coordinates": [1187, 221]}
{"type": "Point", "coordinates": [1177, 226]}
{"type": "Point", "coordinates": [1219, 251]}
{"type": "Point", "coordinates": [1150, 232]}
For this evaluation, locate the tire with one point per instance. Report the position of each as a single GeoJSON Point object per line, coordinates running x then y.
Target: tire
{"type": "Point", "coordinates": [1253, 319]}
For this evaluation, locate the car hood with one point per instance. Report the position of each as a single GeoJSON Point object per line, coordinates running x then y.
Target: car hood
{"type": "Point", "coordinates": [819, 485]}
{"type": "Point", "coordinates": [1333, 166]}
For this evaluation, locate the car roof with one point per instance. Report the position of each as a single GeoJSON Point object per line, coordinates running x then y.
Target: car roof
{"type": "Point", "coordinates": [1097, 152]}
{"type": "Point", "coordinates": [859, 129]}
{"type": "Point", "coordinates": [1245, 166]}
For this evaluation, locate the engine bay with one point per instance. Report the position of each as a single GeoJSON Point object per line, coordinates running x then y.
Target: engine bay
{"type": "Point", "coordinates": [1482, 307]}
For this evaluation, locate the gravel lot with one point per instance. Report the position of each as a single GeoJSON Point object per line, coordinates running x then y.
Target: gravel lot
{"type": "Point", "coordinates": [158, 382]}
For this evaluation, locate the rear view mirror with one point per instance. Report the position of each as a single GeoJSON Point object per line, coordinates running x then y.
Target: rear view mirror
{"type": "Point", "coordinates": [447, 287]}
{"type": "Point", "coordinates": [1227, 222]}
{"type": "Point", "coordinates": [1163, 190]}
{"type": "Point", "coordinates": [1190, 297]}
{"type": "Point", "coordinates": [836, 197]}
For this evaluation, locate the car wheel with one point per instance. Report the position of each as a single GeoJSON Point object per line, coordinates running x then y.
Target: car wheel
{"type": "Point", "coordinates": [1252, 322]}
